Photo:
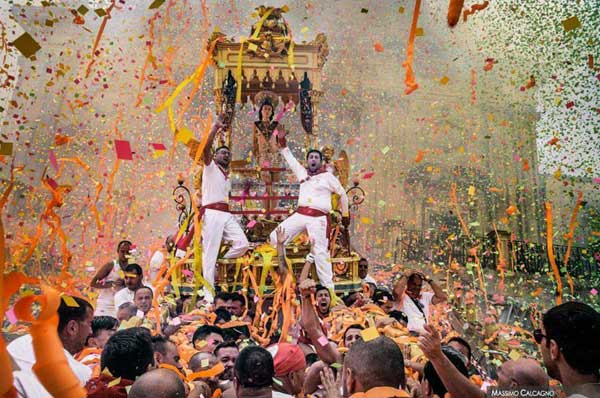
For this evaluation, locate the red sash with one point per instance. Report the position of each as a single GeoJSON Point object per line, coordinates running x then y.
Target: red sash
{"type": "Point", "coordinates": [185, 241]}
{"type": "Point", "coordinates": [310, 212]}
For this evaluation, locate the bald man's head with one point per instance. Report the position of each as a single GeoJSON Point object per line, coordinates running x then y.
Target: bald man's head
{"type": "Point", "coordinates": [520, 373]}
{"type": "Point", "coordinates": [158, 383]}
{"type": "Point", "coordinates": [202, 361]}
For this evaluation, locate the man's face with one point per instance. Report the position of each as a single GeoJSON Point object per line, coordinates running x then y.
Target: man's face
{"type": "Point", "coordinates": [223, 157]}
{"type": "Point", "coordinates": [123, 315]}
{"type": "Point", "coordinates": [212, 340]}
{"type": "Point", "coordinates": [314, 161]}
{"type": "Point", "coordinates": [220, 303]}
{"type": "Point", "coordinates": [413, 287]}
{"type": "Point", "coordinates": [171, 356]}
{"type": "Point", "coordinates": [143, 300]}
{"type": "Point", "coordinates": [323, 301]}
{"type": "Point", "coordinates": [363, 269]}
{"type": "Point", "coordinates": [549, 362]}
{"type": "Point", "coordinates": [227, 356]}
{"type": "Point", "coordinates": [124, 252]}
{"type": "Point", "coordinates": [352, 336]}
{"type": "Point", "coordinates": [235, 308]}
{"type": "Point", "coordinates": [132, 280]}
{"type": "Point", "coordinates": [460, 348]}
{"type": "Point", "coordinates": [100, 340]}
{"type": "Point", "coordinates": [266, 112]}
{"type": "Point", "coordinates": [82, 331]}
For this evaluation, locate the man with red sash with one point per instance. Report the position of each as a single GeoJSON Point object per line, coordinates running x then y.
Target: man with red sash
{"type": "Point", "coordinates": [314, 204]}
{"type": "Point", "coordinates": [218, 222]}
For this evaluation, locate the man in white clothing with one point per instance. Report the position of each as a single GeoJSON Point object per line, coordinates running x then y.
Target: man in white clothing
{"type": "Point", "coordinates": [314, 205]}
{"type": "Point", "coordinates": [218, 222]}
{"type": "Point", "coordinates": [74, 327]}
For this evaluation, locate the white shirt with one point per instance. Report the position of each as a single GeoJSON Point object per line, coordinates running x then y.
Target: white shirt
{"type": "Point", "coordinates": [315, 192]}
{"type": "Point", "coordinates": [215, 185]}
{"type": "Point", "coordinates": [26, 383]}
{"type": "Point", "coordinates": [157, 260]}
{"type": "Point", "coordinates": [416, 320]}
{"type": "Point", "coordinates": [368, 279]}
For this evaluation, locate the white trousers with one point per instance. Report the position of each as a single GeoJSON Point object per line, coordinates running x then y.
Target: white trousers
{"type": "Point", "coordinates": [217, 226]}
{"type": "Point", "coordinates": [316, 227]}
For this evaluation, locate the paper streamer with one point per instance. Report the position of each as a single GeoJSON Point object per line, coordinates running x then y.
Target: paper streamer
{"type": "Point", "coordinates": [409, 79]}
{"type": "Point", "coordinates": [551, 257]}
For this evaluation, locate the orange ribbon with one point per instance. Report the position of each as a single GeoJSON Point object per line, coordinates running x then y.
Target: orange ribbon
{"type": "Point", "coordinates": [551, 258]}
{"type": "Point", "coordinates": [570, 238]}
{"type": "Point", "coordinates": [409, 79]}
{"type": "Point", "coordinates": [211, 372]}
{"type": "Point", "coordinates": [454, 9]}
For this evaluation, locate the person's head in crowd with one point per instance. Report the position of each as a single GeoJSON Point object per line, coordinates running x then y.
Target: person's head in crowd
{"type": "Point", "coordinates": [221, 300]}
{"type": "Point", "coordinates": [236, 304]}
{"type": "Point", "coordinates": [202, 361]}
{"type": "Point", "coordinates": [399, 316]}
{"type": "Point", "coordinates": [521, 373]}
{"type": "Point", "coordinates": [142, 298]}
{"type": "Point", "coordinates": [123, 249]}
{"type": "Point", "coordinates": [384, 299]}
{"type": "Point", "coordinates": [165, 351]}
{"type": "Point", "coordinates": [227, 353]}
{"type": "Point", "coordinates": [103, 327]}
{"type": "Point", "coordinates": [223, 316]}
{"type": "Point", "coordinates": [374, 363]}
{"type": "Point", "coordinates": [352, 334]}
{"type": "Point", "coordinates": [570, 345]}
{"type": "Point", "coordinates": [133, 276]}
{"type": "Point", "coordinates": [351, 298]}
{"type": "Point", "coordinates": [372, 289]}
{"type": "Point", "coordinates": [290, 367]}
{"type": "Point", "coordinates": [126, 311]}
{"type": "Point", "coordinates": [432, 384]}
{"type": "Point", "coordinates": [323, 298]}
{"type": "Point", "coordinates": [461, 345]}
{"type": "Point", "coordinates": [207, 337]}
{"type": "Point", "coordinates": [414, 285]}
{"type": "Point", "coordinates": [74, 323]}
{"type": "Point", "coordinates": [254, 372]}
{"type": "Point", "coordinates": [158, 383]}
{"type": "Point", "coordinates": [311, 358]}
{"type": "Point", "coordinates": [363, 268]}
{"type": "Point", "coordinates": [128, 353]}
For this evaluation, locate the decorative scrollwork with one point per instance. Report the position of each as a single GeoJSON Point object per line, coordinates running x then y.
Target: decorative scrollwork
{"type": "Point", "coordinates": [183, 201]}
{"type": "Point", "coordinates": [356, 195]}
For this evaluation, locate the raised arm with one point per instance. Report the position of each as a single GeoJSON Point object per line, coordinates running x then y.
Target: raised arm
{"type": "Point", "coordinates": [281, 145]}
{"type": "Point", "coordinates": [101, 274]}
{"type": "Point", "coordinates": [400, 286]}
{"type": "Point", "coordinates": [207, 154]}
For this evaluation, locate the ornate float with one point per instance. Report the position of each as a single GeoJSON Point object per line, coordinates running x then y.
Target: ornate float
{"type": "Point", "coordinates": [268, 69]}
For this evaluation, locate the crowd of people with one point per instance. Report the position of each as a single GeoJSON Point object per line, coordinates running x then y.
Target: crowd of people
{"type": "Point", "coordinates": [212, 350]}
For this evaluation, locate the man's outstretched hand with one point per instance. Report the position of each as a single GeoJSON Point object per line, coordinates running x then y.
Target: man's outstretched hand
{"type": "Point", "coordinates": [430, 342]}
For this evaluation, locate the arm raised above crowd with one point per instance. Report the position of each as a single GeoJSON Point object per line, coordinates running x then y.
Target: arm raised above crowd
{"type": "Point", "coordinates": [102, 273]}
{"type": "Point", "coordinates": [207, 154]}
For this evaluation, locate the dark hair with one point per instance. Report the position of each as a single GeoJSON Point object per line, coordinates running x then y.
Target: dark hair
{"type": "Point", "coordinates": [354, 326]}
{"type": "Point", "coordinates": [103, 322]}
{"type": "Point", "coordinates": [314, 151]}
{"type": "Point", "coordinates": [413, 277]}
{"type": "Point", "coordinates": [376, 363]}
{"type": "Point", "coordinates": [436, 384]}
{"type": "Point", "coordinates": [67, 313]}
{"type": "Point", "coordinates": [254, 368]}
{"type": "Point", "coordinates": [350, 299]}
{"type": "Point", "coordinates": [399, 316]}
{"type": "Point", "coordinates": [128, 353]}
{"type": "Point", "coordinates": [134, 268]}
{"type": "Point", "coordinates": [225, 296]}
{"type": "Point", "coordinates": [205, 330]}
{"type": "Point", "coordinates": [462, 342]}
{"type": "Point", "coordinates": [222, 314]}
{"type": "Point", "coordinates": [141, 288]}
{"type": "Point", "coordinates": [225, 344]}
{"type": "Point", "coordinates": [129, 306]}
{"type": "Point", "coordinates": [320, 287]}
{"type": "Point", "coordinates": [363, 259]}
{"type": "Point", "coordinates": [380, 296]}
{"type": "Point", "coordinates": [575, 327]}
{"type": "Point", "coordinates": [311, 358]}
{"type": "Point", "coordinates": [159, 344]}
{"type": "Point", "coordinates": [222, 147]}
{"type": "Point", "coordinates": [235, 296]}
{"type": "Point", "coordinates": [123, 242]}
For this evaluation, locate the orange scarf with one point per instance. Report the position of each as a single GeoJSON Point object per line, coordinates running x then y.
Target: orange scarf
{"type": "Point", "coordinates": [382, 392]}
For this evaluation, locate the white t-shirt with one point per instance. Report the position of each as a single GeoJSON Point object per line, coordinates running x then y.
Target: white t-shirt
{"type": "Point", "coordinates": [215, 185]}
{"type": "Point", "coordinates": [368, 279]}
{"type": "Point", "coordinates": [157, 260]}
{"type": "Point", "coordinates": [26, 383]}
{"type": "Point", "coordinates": [315, 192]}
{"type": "Point", "coordinates": [416, 319]}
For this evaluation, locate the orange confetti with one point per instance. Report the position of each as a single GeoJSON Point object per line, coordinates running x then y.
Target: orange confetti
{"type": "Point", "coordinates": [419, 156]}
{"type": "Point", "coordinates": [454, 9]}
{"type": "Point", "coordinates": [344, 91]}
{"type": "Point", "coordinates": [525, 165]}
{"type": "Point", "coordinates": [489, 64]}
{"type": "Point", "coordinates": [537, 292]}
{"type": "Point", "coordinates": [530, 84]}
{"type": "Point", "coordinates": [512, 209]}
{"type": "Point", "coordinates": [378, 47]}
{"type": "Point", "coordinates": [474, 8]}
{"type": "Point", "coordinates": [553, 141]}
{"type": "Point", "coordinates": [60, 139]}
